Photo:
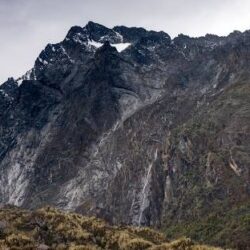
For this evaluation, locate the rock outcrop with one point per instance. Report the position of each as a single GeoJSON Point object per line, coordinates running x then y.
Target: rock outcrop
{"type": "Point", "coordinates": [130, 125]}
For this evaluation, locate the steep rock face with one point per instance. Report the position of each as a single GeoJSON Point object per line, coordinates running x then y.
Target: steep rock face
{"type": "Point", "coordinates": [129, 125]}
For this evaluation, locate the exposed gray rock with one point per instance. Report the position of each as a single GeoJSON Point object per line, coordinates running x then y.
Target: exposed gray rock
{"type": "Point", "coordinates": [98, 125]}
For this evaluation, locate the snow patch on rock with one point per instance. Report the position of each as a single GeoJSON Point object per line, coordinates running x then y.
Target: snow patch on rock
{"type": "Point", "coordinates": [44, 62]}
{"type": "Point", "coordinates": [4, 93]}
{"type": "Point", "coordinates": [119, 46]}
{"type": "Point", "coordinates": [94, 43]}
{"type": "Point", "coordinates": [29, 75]}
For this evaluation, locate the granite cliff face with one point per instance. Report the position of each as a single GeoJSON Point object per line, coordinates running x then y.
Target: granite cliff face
{"type": "Point", "coordinates": [132, 126]}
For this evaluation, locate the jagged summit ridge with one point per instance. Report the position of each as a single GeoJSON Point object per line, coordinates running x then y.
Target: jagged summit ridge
{"type": "Point", "coordinates": [93, 36]}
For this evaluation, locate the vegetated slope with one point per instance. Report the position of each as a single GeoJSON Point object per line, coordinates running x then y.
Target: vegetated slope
{"type": "Point", "coordinates": [197, 187]}
{"type": "Point", "coordinates": [213, 149]}
{"type": "Point", "coordinates": [49, 228]}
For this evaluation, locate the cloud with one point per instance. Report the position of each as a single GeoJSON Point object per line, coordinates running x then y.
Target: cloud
{"type": "Point", "coordinates": [26, 26]}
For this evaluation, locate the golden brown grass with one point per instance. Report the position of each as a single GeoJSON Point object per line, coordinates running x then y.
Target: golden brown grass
{"type": "Point", "coordinates": [51, 228]}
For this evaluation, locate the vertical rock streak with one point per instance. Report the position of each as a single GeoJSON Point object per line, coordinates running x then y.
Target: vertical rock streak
{"type": "Point", "coordinates": [145, 190]}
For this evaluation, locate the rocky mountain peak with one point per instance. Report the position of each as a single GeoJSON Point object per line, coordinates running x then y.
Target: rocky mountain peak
{"type": "Point", "coordinates": [94, 32]}
{"type": "Point", "coordinates": [74, 30]}
{"type": "Point", "coordinates": [129, 125]}
{"type": "Point", "coordinates": [101, 33]}
{"type": "Point", "coordinates": [8, 93]}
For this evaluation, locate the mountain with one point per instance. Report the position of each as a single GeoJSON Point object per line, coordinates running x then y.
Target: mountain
{"type": "Point", "coordinates": [134, 127]}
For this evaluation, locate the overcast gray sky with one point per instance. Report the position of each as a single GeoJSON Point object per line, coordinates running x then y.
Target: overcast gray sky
{"type": "Point", "coordinates": [26, 26]}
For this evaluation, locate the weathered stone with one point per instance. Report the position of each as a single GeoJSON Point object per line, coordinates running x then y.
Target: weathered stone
{"type": "Point", "coordinates": [156, 134]}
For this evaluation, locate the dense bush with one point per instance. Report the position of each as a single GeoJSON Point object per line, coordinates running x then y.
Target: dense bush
{"type": "Point", "coordinates": [49, 228]}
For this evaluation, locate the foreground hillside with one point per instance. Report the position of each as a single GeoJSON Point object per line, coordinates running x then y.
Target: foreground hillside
{"type": "Point", "coordinates": [49, 228]}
